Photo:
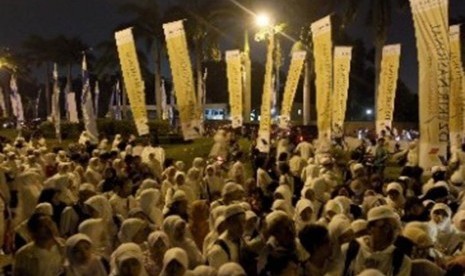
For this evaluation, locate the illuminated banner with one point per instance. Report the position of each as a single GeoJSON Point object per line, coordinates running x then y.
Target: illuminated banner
{"type": "Point", "coordinates": [295, 70]}
{"type": "Point", "coordinates": [234, 73]}
{"type": "Point", "coordinates": [323, 55]}
{"type": "Point", "coordinates": [56, 112]}
{"type": "Point", "coordinates": [178, 53]}
{"type": "Point", "coordinates": [2, 103]}
{"type": "Point", "coordinates": [264, 132]}
{"type": "Point", "coordinates": [456, 100]}
{"type": "Point", "coordinates": [342, 59]}
{"type": "Point", "coordinates": [73, 115]}
{"type": "Point", "coordinates": [132, 79]}
{"type": "Point", "coordinates": [16, 102]}
{"type": "Point", "coordinates": [87, 105]}
{"type": "Point", "coordinates": [432, 32]}
{"type": "Point", "coordinates": [387, 87]}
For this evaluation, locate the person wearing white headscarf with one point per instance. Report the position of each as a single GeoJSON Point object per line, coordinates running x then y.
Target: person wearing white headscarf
{"type": "Point", "coordinates": [395, 197]}
{"type": "Point", "coordinates": [203, 270]}
{"type": "Point", "coordinates": [303, 214]}
{"type": "Point", "coordinates": [127, 259]}
{"type": "Point", "coordinates": [156, 168]}
{"type": "Point", "coordinates": [332, 208]}
{"type": "Point", "coordinates": [134, 230]}
{"type": "Point", "coordinates": [321, 192]}
{"type": "Point", "coordinates": [217, 227]}
{"type": "Point", "coordinates": [213, 185]}
{"type": "Point", "coordinates": [310, 172]}
{"type": "Point", "coordinates": [148, 202]}
{"type": "Point", "coordinates": [175, 262]}
{"type": "Point", "coordinates": [80, 258]}
{"type": "Point", "coordinates": [29, 189]}
{"type": "Point", "coordinates": [158, 244]}
{"type": "Point", "coordinates": [282, 205]}
{"type": "Point", "coordinates": [442, 226]}
{"type": "Point", "coordinates": [92, 174]}
{"type": "Point", "coordinates": [194, 183]}
{"type": "Point", "coordinates": [284, 192]}
{"type": "Point", "coordinates": [95, 229]}
{"type": "Point", "coordinates": [75, 214]}
{"type": "Point", "coordinates": [176, 229]}
{"type": "Point", "coordinates": [340, 232]}
{"type": "Point", "coordinates": [231, 269]}
{"type": "Point", "coordinates": [180, 184]}
{"type": "Point", "coordinates": [118, 139]}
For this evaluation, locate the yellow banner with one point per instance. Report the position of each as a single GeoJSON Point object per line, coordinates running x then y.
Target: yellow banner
{"type": "Point", "coordinates": [295, 70]}
{"type": "Point", "coordinates": [234, 74]}
{"type": "Point", "coordinates": [456, 112]}
{"type": "Point", "coordinates": [341, 79]}
{"type": "Point", "coordinates": [432, 32]}
{"type": "Point", "coordinates": [178, 53]}
{"type": "Point", "coordinates": [387, 87]}
{"type": "Point", "coordinates": [132, 79]}
{"type": "Point", "coordinates": [264, 132]}
{"type": "Point", "coordinates": [323, 55]}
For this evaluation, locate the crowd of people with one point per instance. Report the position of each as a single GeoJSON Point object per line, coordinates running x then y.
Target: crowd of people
{"type": "Point", "coordinates": [123, 207]}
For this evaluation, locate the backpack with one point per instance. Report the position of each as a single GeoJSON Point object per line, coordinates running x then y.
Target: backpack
{"type": "Point", "coordinates": [354, 247]}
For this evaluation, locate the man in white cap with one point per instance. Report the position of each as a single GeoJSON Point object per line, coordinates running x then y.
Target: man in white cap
{"type": "Point", "coordinates": [376, 250]}
{"type": "Point", "coordinates": [228, 246]}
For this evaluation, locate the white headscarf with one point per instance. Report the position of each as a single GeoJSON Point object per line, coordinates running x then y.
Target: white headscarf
{"type": "Point", "coordinates": [445, 226]}
{"type": "Point", "coordinates": [302, 205]}
{"type": "Point", "coordinates": [95, 229]}
{"type": "Point", "coordinates": [158, 235]}
{"type": "Point", "coordinates": [174, 254]}
{"type": "Point", "coordinates": [100, 204]}
{"type": "Point", "coordinates": [203, 270]}
{"type": "Point", "coordinates": [458, 217]}
{"type": "Point", "coordinates": [130, 228]}
{"type": "Point", "coordinates": [124, 252]}
{"type": "Point", "coordinates": [148, 202]}
{"type": "Point", "coordinates": [94, 265]}
{"type": "Point", "coordinates": [231, 269]}
{"type": "Point", "coordinates": [44, 208]}
{"type": "Point", "coordinates": [282, 205]}
{"type": "Point", "coordinates": [169, 226]}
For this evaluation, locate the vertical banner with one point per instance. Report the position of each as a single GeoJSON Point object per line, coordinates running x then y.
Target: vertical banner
{"type": "Point", "coordinates": [456, 107]}
{"type": "Point", "coordinates": [16, 102]}
{"type": "Point", "coordinates": [73, 115]}
{"type": "Point", "coordinates": [56, 112]}
{"type": "Point", "coordinates": [164, 104]}
{"type": "Point", "coordinates": [295, 70]}
{"type": "Point", "coordinates": [118, 115]}
{"type": "Point", "coordinates": [96, 98]}
{"type": "Point", "coordinates": [234, 74]}
{"type": "Point", "coordinates": [132, 79]}
{"type": "Point", "coordinates": [188, 107]}
{"type": "Point", "coordinates": [323, 55]}
{"type": "Point", "coordinates": [264, 131]}
{"type": "Point", "coordinates": [387, 87]}
{"type": "Point", "coordinates": [341, 79]}
{"type": "Point", "coordinates": [2, 103]}
{"type": "Point", "coordinates": [432, 34]}
{"type": "Point", "coordinates": [87, 104]}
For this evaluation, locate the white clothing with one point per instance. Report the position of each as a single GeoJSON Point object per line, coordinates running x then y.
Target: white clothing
{"type": "Point", "coordinates": [122, 206]}
{"type": "Point", "coordinates": [35, 261]}
{"type": "Point", "coordinates": [305, 148]}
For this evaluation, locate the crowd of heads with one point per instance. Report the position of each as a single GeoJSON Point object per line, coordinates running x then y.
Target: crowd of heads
{"type": "Point", "coordinates": [123, 207]}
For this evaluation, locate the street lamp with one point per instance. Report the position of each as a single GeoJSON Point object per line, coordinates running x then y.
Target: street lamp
{"type": "Point", "coordinates": [263, 20]}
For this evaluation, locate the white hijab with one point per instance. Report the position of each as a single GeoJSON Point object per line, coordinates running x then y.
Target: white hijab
{"type": "Point", "coordinates": [124, 252]}
{"type": "Point", "coordinates": [130, 228]}
{"type": "Point", "coordinates": [174, 254]}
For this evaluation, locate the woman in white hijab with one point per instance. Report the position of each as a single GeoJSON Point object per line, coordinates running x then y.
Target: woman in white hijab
{"type": "Point", "coordinates": [175, 262]}
{"type": "Point", "coordinates": [176, 229]}
{"type": "Point", "coordinates": [395, 197]}
{"type": "Point", "coordinates": [81, 259]}
{"type": "Point", "coordinates": [231, 269]}
{"type": "Point", "coordinates": [158, 244]}
{"type": "Point", "coordinates": [193, 182]}
{"type": "Point", "coordinates": [95, 229]}
{"type": "Point", "coordinates": [203, 270]}
{"type": "Point", "coordinates": [92, 174]}
{"type": "Point", "coordinates": [443, 230]}
{"type": "Point", "coordinates": [134, 230]}
{"type": "Point", "coordinates": [283, 205]}
{"type": "Point", "coordinates": [340, 232]}
{"type": "Point", "coordinates": [148, 202]}
{"type": "Point", "coordinates": [303, 214]}
{"type": "Point", "coordinates": [332, 208]}
{"type": "Point", "coordinates": [127, 260]}
{"type": "Point", "coordinates": [29, 188]}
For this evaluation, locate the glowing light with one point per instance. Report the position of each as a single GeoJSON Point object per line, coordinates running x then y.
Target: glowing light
{"type": "Point", "coordinates": [369, 112]}
{"type": "Point", "coordinates": [263, 20]}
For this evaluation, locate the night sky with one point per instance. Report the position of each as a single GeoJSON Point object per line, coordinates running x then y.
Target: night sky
{"type": "Point", "coordinates": [94, 21]}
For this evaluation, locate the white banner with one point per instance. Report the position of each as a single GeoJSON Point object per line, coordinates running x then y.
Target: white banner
{"type": "Point", "coordinates": [188, 106]}
{"type": "Point", "coordinates": [96, 98]}
{"type": "Point", "coordinates": [56, 112]}
{"type": "Point", "coordinates": [164, 104]}
{"type": "Point", "coordinates": [341, 80]}
{"type": "Point", "coordinates": [323, 55]}
{"type": "Point", "coordinates": [387, 88]}
{"type": "Point", "coordinates": [457, 97]}
{"type": "Point", "coordinates": [87, 104]}
{"type": "Point", "coordinates": [234, 74]}
{"type": "Point", "coordinates": [2, 103]}
{"type": "Point", "coordinates": [72, 109]}
{"type": "Point", "coordinates": [16, 102]}
{"type": "Point", "coordinates": [431, 19]}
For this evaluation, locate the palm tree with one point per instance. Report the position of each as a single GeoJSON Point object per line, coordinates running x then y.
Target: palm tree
{"type": "Point", "coordinates": [148, 27]}
{"type": "Point", "coordinates": [39, 50]}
